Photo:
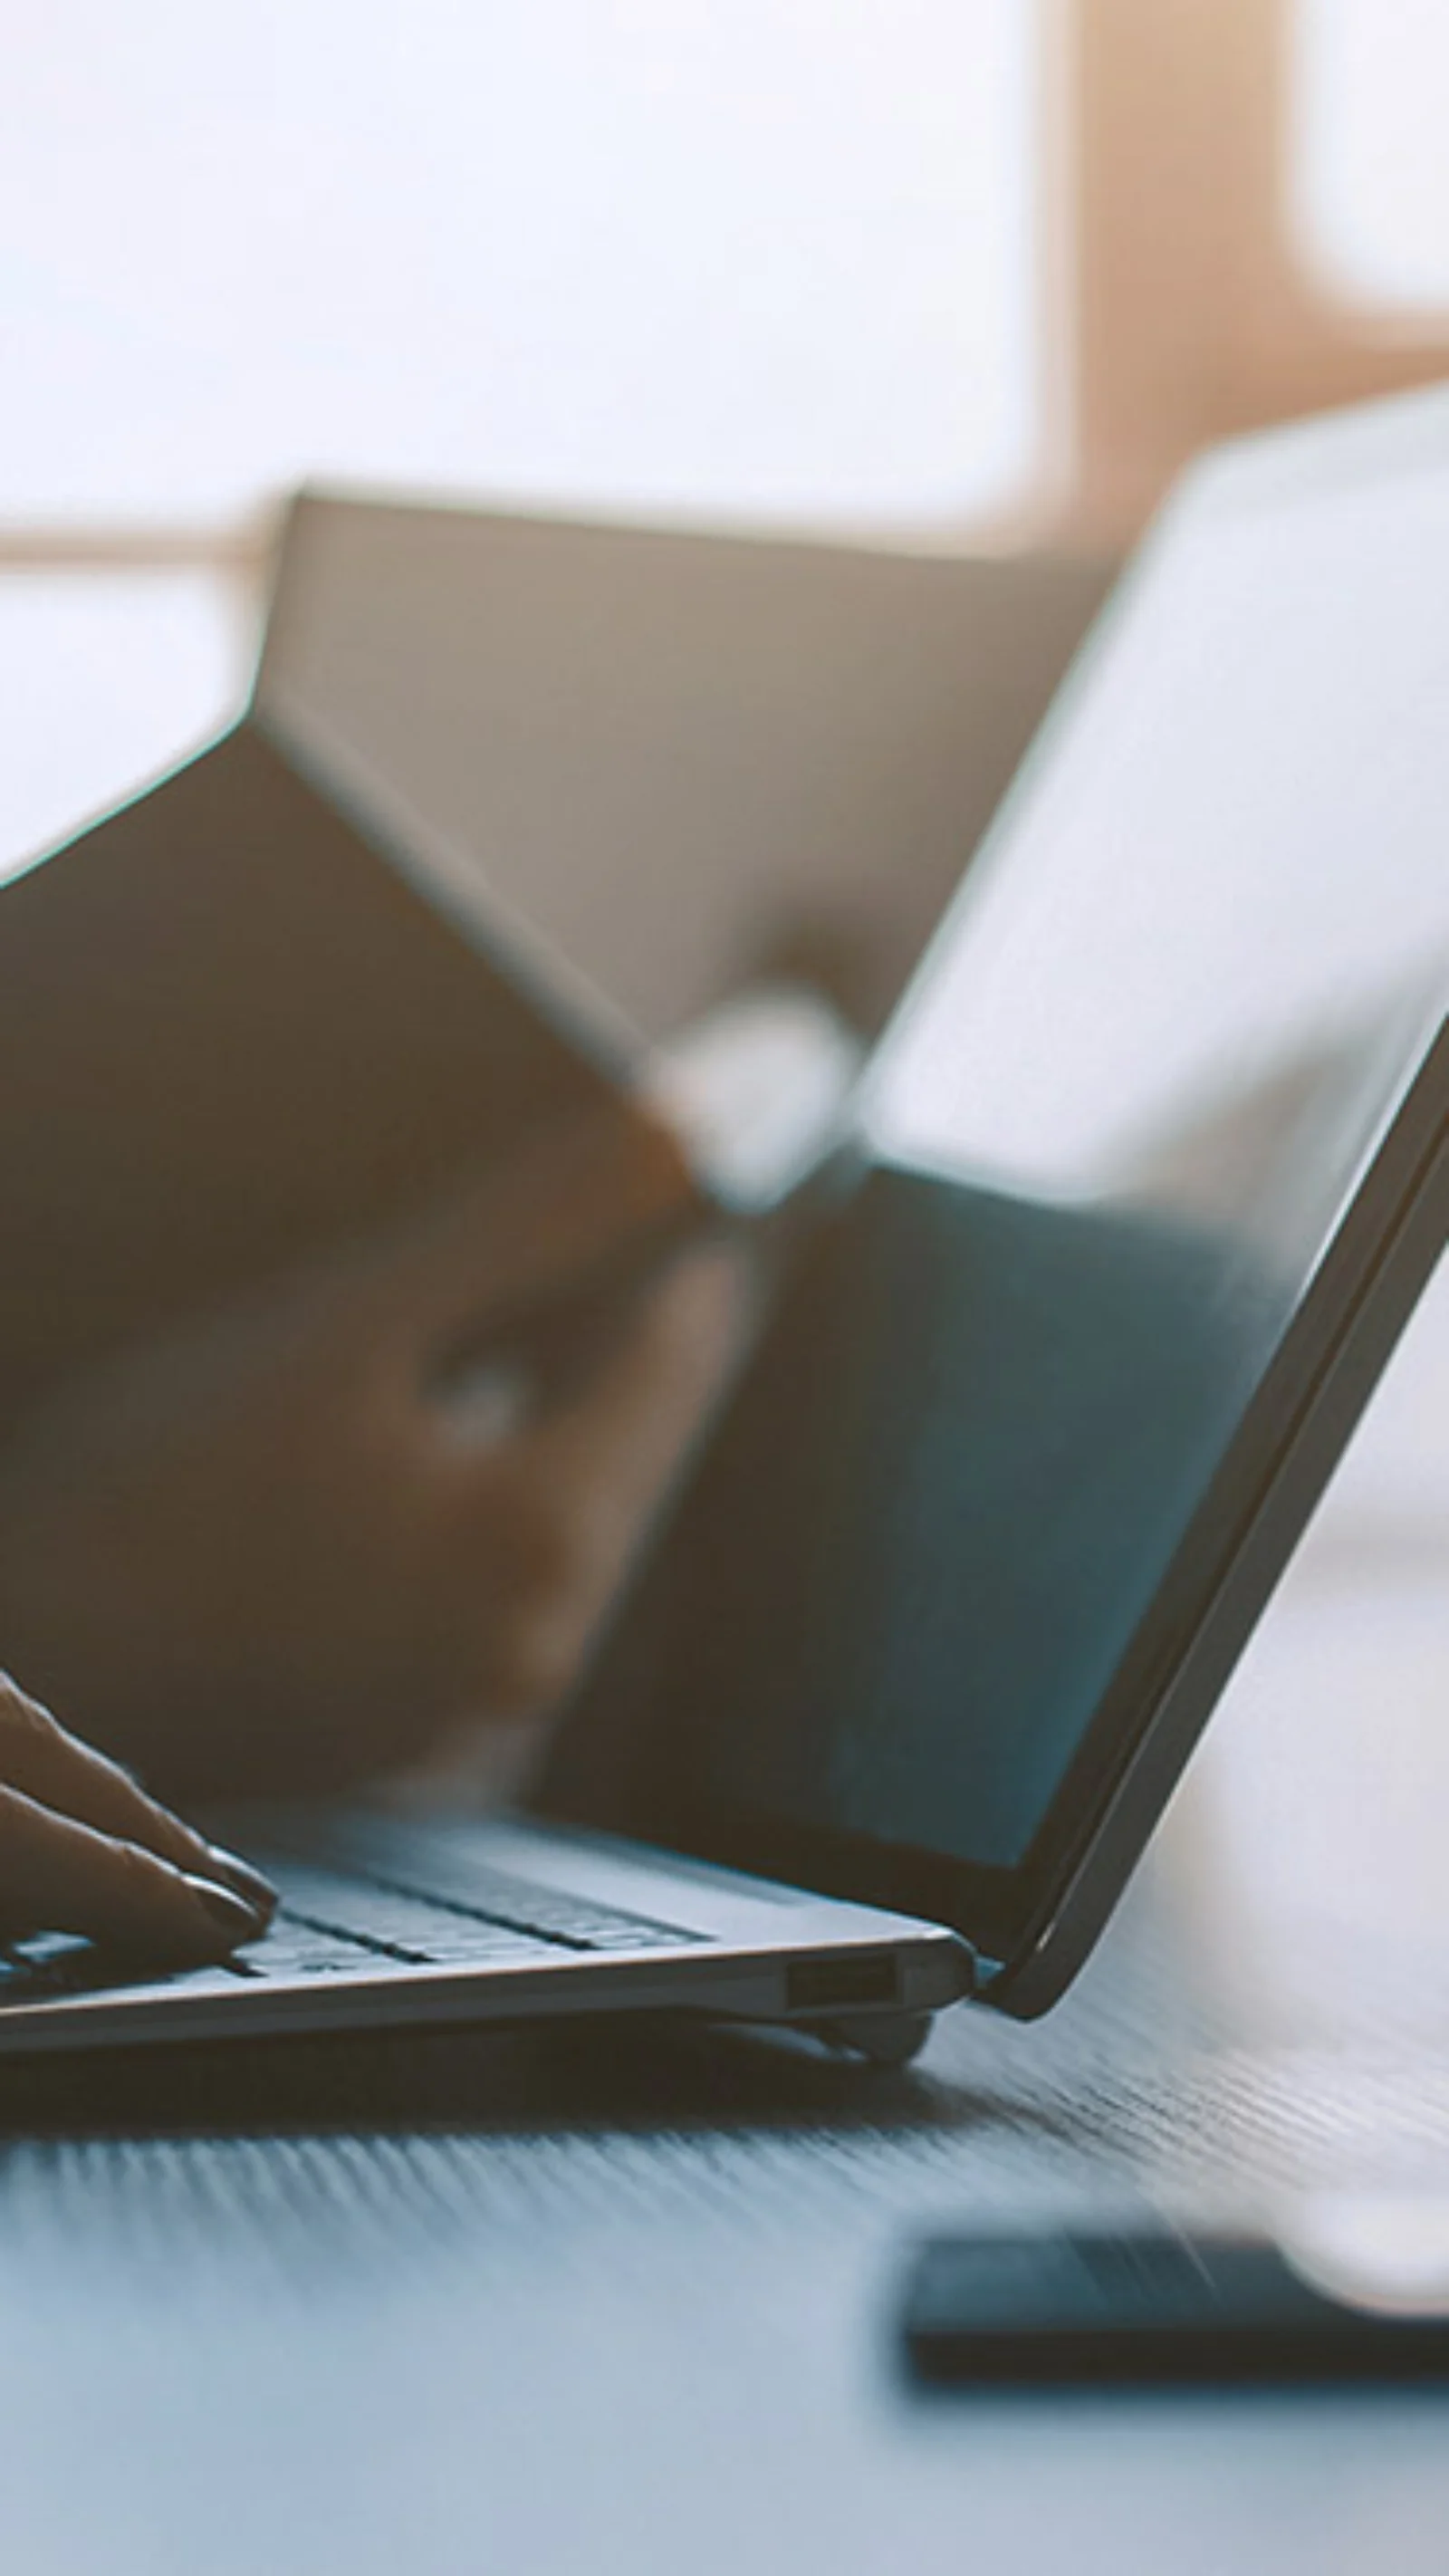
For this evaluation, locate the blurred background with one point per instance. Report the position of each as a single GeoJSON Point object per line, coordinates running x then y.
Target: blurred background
{"type": "Point", "coordinates": [968, 275]}
{"type": "Point", "coordinates": [974, 273]}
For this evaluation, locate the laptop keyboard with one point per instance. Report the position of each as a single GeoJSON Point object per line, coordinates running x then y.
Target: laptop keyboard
{"type": "Point", "coordinates": [337, 1922]}
{"type": "Point", "coordinates": [468, 1915]}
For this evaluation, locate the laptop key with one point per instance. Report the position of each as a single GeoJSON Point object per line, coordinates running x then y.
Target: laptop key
{"type": "Point", "coordinates": [381, 1910]}
{"type": "Point", "coordinates": [438, 1873]}
{"type": "Point", "coordinates": [394, 1923]}
{"type": "Point", "coordinates": [49, 1954]}
{"type": "Point", "coordinates": [296, 1950]}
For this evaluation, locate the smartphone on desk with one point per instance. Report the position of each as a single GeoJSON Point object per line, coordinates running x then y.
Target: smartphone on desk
{"type": "Point", "coordinates": [247, 1021]}
{"type": "Point", "coordinates": [1150, 2306]}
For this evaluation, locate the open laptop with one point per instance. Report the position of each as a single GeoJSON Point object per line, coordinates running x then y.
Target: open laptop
{"type": "Point", "coordinates": [1155, 1169]}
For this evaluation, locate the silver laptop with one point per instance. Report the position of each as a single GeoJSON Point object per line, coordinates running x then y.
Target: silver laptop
{"type": "Point", "coordinates": [1154, 1171]}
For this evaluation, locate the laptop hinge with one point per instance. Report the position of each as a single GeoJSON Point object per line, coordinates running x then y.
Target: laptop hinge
{"type": "Point", "coordinates": [983, 1971]}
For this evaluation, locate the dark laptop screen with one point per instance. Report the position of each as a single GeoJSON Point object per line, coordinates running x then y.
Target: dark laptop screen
{"type": "Point", "coordinates": [1114, 1130]}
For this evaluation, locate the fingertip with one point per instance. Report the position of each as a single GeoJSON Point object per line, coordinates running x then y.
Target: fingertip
{"type": "Point", "coordinates": [247, 1883]}
{"type": "Point", "coordinates": [714, 1278]}
{"type": "Point", "coordinates": [631, 1145]}
{"type": "Point", "coordinates": [234, 1919]}
{"type": "Point", "coordinates": [659, 1143]}
{"type": "Point", "coordinates": [695, 1313]}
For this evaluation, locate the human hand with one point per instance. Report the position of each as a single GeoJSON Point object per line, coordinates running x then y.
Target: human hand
{"type": "Point", "coordinates": [83, 1849]}
{"type": "Point", "coordinates": [273, 1554]}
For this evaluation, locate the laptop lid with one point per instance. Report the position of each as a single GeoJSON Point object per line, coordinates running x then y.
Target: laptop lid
{"type": "Point", "coordinates": [1158, 1169]}
{"type": "Point", "coordinates": [686, 760]}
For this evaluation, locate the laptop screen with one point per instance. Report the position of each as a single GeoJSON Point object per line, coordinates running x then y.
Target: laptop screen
{"type": "Point", "coordinates": [1114, 1131]}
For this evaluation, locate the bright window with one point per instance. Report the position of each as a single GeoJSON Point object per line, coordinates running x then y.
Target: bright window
{"type": "Point", "coordinates": [771, 259]}
{"type": "Point", "coordinates": [773, 256]}
{"type": "Point", "coordinates": [1371, 182]}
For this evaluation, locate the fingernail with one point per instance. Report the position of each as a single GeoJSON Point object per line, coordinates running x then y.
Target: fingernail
{"type": "Point", "coordinates": [248, 1882]}
{"type": "Point", "coordinates": [239, 1921]}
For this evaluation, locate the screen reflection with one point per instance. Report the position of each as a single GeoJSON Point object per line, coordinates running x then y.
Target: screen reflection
{"type": "Point", "coordinates": [954, 1479]}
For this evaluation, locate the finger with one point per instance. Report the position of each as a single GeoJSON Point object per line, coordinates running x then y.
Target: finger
{"type": "Point", "coordinates": [50, 1765]}
{"type": "Point", "coordinates": [621, 1435]}
{"type": "Point", "coordinates": [568, 1204]}
{"type": "Point", "coordinates": [556, 1517]}
{"type": "Point", "coordinates": [60, 1876]}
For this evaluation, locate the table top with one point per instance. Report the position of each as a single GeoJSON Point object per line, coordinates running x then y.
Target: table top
{"type": "Point", "coordinates": [622, 2296]}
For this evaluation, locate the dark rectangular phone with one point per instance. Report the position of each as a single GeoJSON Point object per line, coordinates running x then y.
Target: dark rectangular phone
{"type": "Point", "coordinates": [1143, 2307]}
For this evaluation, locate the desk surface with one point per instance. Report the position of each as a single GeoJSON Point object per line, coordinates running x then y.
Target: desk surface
{"type": "Point", "coordinates": [621, 2300]}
